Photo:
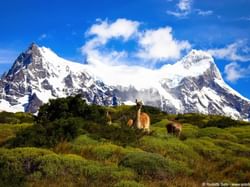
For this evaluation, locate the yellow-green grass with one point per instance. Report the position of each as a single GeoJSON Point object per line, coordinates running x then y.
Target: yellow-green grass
{"type": "Point", "coordinates": [8, 131]}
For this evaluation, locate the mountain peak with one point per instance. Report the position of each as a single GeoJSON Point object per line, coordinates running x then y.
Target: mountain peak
{"type": "Point", "coordinates": [196, 52]}
{"type": "Point", "coordinates": [33, 45]}
{"type": "Point", "coordinates": [33, 49]}
{"type": "Point", "coordinates": [196, 57]}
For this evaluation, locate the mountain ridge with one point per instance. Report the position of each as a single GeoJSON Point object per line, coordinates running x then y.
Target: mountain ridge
{"type": "Point", "coordinates": [193, 84]}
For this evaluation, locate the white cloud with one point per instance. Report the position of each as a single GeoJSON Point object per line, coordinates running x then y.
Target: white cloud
{"type": "Point", "coordinates": [204, 12]}
{"type": "Point", "coordinates": [7, 56]}
{"type": "Point", "coordinates": [42, 36]}
{"type": "Point", "coordinates": [177, 14]}
{"type": "Point", "coordinates": [160, 45]}
{"type": "Point", "coordinates": [122, 28]}
{"type": "Point", "coordinates": [152, 45]}
{"type": "Point", "coordinates": [236, 51]}
{"type": "Point", "coordinates": [102, 32]}
{"type": "Point", "coordinates": [235, 72]}
{"type": "Point", "coordinates": [184, 5]}
{"type": "Point", "coordinates": [183, 9]}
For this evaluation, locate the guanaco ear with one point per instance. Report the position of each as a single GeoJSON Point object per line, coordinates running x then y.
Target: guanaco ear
{"type": "Point", "coordinates": [136, 101]}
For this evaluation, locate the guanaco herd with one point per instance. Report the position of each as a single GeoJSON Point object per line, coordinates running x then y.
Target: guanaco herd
{"type": "Point", "coordinates": [142, 121]}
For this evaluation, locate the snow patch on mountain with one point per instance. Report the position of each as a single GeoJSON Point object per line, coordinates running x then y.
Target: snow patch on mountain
{"type": "Point", "coordinates": [193, 84]}
{"type": "Point", "coordinates": [141, 78]}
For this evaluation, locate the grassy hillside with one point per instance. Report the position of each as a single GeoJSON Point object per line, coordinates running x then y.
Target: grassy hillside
{"type": "Point", "coordinates": [70, 144]}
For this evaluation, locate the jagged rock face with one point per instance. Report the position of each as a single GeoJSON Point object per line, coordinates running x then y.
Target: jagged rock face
{"type": "Point", "coordinates": [33, 80]}
{"type": "Point", "coordinates": [33, 104]}
{"type": "Point", "coordinates": [193, 84]}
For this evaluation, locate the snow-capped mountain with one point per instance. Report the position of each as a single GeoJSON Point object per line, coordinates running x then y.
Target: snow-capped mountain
{"type": "Point", "coordinates": [193, 84]}
{"type": "Point", "coordinates": [39, 75]}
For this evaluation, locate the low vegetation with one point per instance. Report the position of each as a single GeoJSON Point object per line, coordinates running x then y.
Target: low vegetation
{"type": "Point", "coordinates": [70, 143]}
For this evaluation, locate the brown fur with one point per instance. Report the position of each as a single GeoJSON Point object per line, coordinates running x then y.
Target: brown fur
{"type": "Point", "coordinates": [130, 122]}
{"type": "Point", "coordinates": [142, 119]}
{"type": "Point", "coordinates": [109, 118]}
{"type": "Point", "coordinates": [174, 128]}
{"type": "Point", "coordinates": [145, 119]}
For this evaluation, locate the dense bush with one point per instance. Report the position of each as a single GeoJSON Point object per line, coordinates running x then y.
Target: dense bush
{"type": "Point", "coordinates": [64, 118]}
{"type": "Point", "coordinates": [49, 134]}
{"type": "Point", "coordinates": [233, 148]}
{"type": "Point", "coordinates": [84, 140]}
{"type": "Point", "coordinates": [102, 150]}
{"type": "Point", "coordinates": [156, 115]}
{"type": "Point", "coordinates": [121, 135]}
{"type": "Point", "coordinates": [202, 120]}
{"type": "Point", "coordinates": [236, 168]}
{"type": "Point", "coordinates": [123, 113]}
{"type": "Point", "coordinates": [215, 132]}
{"type": "Point", "coordinates": [128, 183]}
{"type": "Point", "coordinates": [17, 166]}
{"type": "Point", "coordinates": [57, 165]}
{"type": "Point", "coordinates": [15, 118]}
{"type": "Point", "coordinates": [73, 106]}
{"type": "Point", "coordinates": [189, 131]}
{"type": "Point", "coordinates": [242, 133]}
{"type": "Point", "coordinates": [153, 166]}
{"type": "Point", "coordinates": [205, 147]}
{"type": "Point", "coordinates": [8, 131]}
{"type": "Point", "coordinates": [172, 147]}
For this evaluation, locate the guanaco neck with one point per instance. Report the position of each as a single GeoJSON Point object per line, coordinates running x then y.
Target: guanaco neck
{"type": "Point", "coordinates": [138, 118]}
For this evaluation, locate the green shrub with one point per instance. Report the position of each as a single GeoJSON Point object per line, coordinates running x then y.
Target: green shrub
{"type": "Point", "coordinates": [233, 148]}
{"type": "Point", "coordinates": [128, 183]}
{"type": "Point", "coordinates": [8, 131]}
{"type": "Point", "coordinates": [192, 118]}
{"type": "Point", "coordinates": [54, 165]}
{"type": "Point", "coordinates": [17, 163]}
{"type": "Point", "coordinates": [62, 165]}
{"type": "Point", "coordinates": [18, 166]}
{"type": "Point", "coordinates": [122, 113]}
{"type": "Point", "coordinates": [72, 106]}
{"type": "Point", "coordinates": [156, 115]}
{"type": "Point", "coordinates": [153, 166]}
{"type": "Point", "coordinates": [161, 123]}
{"type": "Point", "coordinates": [84, 140]}
{"type": "Point", "coordinates": [103, 151]}
{"type": "Point", "coordinates": [189, 131]}
{"type": "Point", "coordinates": [242, 133]}
{"type": "Point", "coordinates": [215, 132]}
{"type": "Point", "coordinates": [205, 147]}
{"type": "Point", "coordinates": [159, 132]}
{"type": "Point", "coordinates": [107, 151]}
{"type": "Point", "coordinates": [46, 135]}
{"type": "Point", "coordinates": [236, 168]}
{"type": "Point", "coordinates": [222, 122]}
{"type": "Point", "coordinates": [24, 117]}
{"type": "Point", "coordinates": [172, 147]}
{"type": "Point", "coordinates": [15, 118]}
{"type": "Point", "coordinates": [202, 120]}
{"type": "Point", "coordinates": [121, 135]}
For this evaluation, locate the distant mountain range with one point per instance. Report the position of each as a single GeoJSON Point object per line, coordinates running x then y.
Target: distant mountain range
{"type": "Point", "coordinates": [193, 84]}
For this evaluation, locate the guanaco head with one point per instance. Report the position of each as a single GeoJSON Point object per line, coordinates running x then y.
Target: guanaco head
{"type": "Point", "coordinates": [138, 104]}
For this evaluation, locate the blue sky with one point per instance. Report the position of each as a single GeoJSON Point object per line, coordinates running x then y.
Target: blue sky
{"type": "Point", "coordinates": [75, 29]}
